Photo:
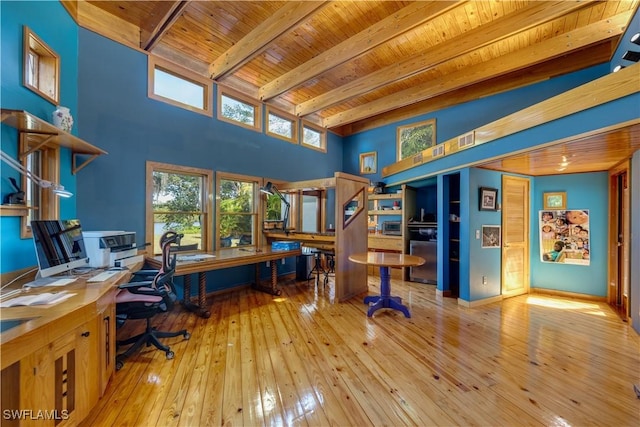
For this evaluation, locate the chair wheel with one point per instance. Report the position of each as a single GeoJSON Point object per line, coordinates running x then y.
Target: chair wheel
{"type": "Point", "coordinates": [170, 355]}
{"type": "Point", "coordinates": [187, 335]}
{"type": "Point", "coordinates": [119, 364]}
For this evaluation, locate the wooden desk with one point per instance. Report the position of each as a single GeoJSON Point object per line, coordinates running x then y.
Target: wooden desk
{"type": "Point", "coordinates": [60, 357]}
{"type": "Point", "coordinates": [386, 260]}
{"type": "Point", "coordinates": [233, 257]}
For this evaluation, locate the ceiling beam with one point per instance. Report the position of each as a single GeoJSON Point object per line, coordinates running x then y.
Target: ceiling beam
{"type": "Point", "coordinates": [546, 50]}
{"type": "Point", "coordinates": [562, 65]}
{"type": "Point", "coordinates": [389, 28]}
{"type": "Point", "coordinates": [149, 39]}
{"type": "Point", "coordinates": [535, 14]}
{"type": "Point", "coordinates": [282, 21]}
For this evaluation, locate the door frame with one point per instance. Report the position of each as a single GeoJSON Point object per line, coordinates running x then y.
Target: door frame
{"type": "Point", "coordinates": [618, 295]}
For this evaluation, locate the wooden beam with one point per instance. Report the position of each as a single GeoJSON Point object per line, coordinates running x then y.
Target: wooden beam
{"type": "Point", "coordinates": [149, 39]}
{"type": "Point", "coordinates": [285, 18]}
{"type": "Point", "coordinates": [578, 39]}
{"type": "Point", "coordinates": [391, 27]}
{"type": "Point", "coordinates": [529, 17]}
{"type": "Point", "coordinates": [598, 54]}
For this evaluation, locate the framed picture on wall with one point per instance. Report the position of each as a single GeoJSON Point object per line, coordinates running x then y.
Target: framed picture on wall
{"type": "Point", "coordinates": [368, 162]}
{"type": "Point", "coordinates": [553, 201]}
{"type": "Point", "coordinates": [491, 236]}
{"type": "Point", "coordinates": [488, 199]}
{"type": "Point", "coordinates": [414, 138]}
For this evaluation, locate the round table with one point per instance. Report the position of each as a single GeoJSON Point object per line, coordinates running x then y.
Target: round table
{"type": "Point", "coordinates": [386, 260]}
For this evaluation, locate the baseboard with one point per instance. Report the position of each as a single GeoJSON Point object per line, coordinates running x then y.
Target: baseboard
{"type": "Point", "coordinates": [477, 303]}
{"type": "Point", "coordinates": [575, 295]}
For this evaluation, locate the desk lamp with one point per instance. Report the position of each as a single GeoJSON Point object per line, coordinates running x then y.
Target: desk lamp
{"type": "Point", "coordinates": [271, 190]}
{"type": "Point", "coordinates": [56, 188]}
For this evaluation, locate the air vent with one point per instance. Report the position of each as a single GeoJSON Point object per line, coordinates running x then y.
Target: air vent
{"type": "Point", "coordinates": [437, 151]}
{"type": "Point", "coordinates": [466, 140]}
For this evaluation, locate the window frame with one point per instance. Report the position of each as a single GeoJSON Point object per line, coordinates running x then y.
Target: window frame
{"type": "Point", "coordinates": [295, 134]}
{"type": "Point", "coordinates": [179, 72]}
{"type": "Point", "coordinates": [321, 131]}
{"type": "Point", "coordinates": [207, 200]}
{"type": "Point", "coordinates": [230, 93]}
{"type": "Point", "coordinates": [48, 206]}
{"type": "Point", "coordinates": [257, 207]}
{"type": "Point", "coordinates": [47, 77]}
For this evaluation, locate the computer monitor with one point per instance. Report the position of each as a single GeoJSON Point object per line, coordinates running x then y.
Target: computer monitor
{"type": "Point", "coordinates": [59, 246]}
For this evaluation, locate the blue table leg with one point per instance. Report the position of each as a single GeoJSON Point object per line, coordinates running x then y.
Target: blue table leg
{"type": "Point", "coordinates": [385, 300]}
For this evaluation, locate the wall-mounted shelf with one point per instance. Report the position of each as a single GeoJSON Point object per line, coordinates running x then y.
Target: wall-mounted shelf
{"type": "Point", "coordinates": [15, 210]}
{"type": "Point", "coordinates": [48, 134]}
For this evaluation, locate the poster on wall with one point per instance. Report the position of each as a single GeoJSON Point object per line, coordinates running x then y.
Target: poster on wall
{"type": "Point", "coordinates": [564, 236]}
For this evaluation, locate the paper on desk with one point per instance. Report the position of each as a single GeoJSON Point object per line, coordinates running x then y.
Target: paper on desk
{"type": "Point", "coordinates": [39, 299]}
{"type": "Point", "coordinates": [198, 257]}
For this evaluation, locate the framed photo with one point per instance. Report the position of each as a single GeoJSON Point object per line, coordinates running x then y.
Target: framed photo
{"type": "Point", "coordinates": [368, 162]}
{"type": "Point", "coordinates": [554, 201]}
{"type": "Point", "coordinates": [488, 199]}
{"type": "Point", "coordinates": [414, 138]}
{"type": "Point", "coordinates": [491, 237]}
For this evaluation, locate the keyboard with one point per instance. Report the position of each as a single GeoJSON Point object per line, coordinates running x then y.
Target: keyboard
{"type": "Point", "coordinates": [50, 281]}
{"type": "Point", "coordinates": [105, 275]}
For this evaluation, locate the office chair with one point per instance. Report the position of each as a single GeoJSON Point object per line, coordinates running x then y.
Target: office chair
{"type": "Point", "coordinates": [145, 299]}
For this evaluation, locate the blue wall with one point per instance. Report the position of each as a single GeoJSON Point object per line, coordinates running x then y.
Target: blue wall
{"type": "Point", "coordinates": [585, 191]}
{"type": "Point", "coordinates": [51, 22]}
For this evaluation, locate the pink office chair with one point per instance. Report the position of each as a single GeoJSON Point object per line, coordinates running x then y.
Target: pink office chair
{"type": "Point", "coordinates": [145, 299]}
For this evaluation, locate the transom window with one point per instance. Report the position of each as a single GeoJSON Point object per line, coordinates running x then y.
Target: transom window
{"type": "Point", "coordinates": [179, 199]}
{"type": "Point", "coordinates": [237, 210]}
{"type": "Point", "coordinates": [238, 109]}
{"type": "Point", "coordinates": [313, 137]}
{"type": "Point", "coordinates": [282, 125]}
{"type": "Point", "coordinates": [180, 87]}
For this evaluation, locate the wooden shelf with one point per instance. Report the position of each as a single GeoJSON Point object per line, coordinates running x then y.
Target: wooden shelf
{"type": "Point", "coordinates": [15, 210]}
{"type": "Point", "coordinates": [48, 134]}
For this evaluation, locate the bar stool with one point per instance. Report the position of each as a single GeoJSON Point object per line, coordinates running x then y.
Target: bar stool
{"type": "Point", "coordinates": [317, 267]}
{"type": "Point", "coordinates": [330, 260]}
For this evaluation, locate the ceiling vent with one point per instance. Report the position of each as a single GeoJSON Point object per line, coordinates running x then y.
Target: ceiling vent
{"type": "Point", "coordinates": [437, 151]}
{"type": "Point", "coordinates": [466, 140]}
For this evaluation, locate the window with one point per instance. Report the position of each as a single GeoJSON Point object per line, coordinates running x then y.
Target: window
{"type": "Point", "coordinates": [237, 210]}
{"type": "Point", "coordinates": [282, 125]}
{"type": "Point", "coordinates": [176, 86]}
{"type": "Point", "coordinates": [41, 67]}
{"type": "Point", "coordinates": [238, 109]}
{"type": "Point", "coordinates": [313, 137]}
{"type": "Point", "coordinates": [43, 162]}
{"type": "Point", "coordinates": [179, 199]}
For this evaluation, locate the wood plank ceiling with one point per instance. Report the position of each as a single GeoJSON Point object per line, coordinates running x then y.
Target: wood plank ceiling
{"type": "Point", "coordinates": [354, 65]}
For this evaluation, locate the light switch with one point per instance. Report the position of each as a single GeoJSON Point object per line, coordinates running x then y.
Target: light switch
{"type": "Point", "coordinates": [477, 234]}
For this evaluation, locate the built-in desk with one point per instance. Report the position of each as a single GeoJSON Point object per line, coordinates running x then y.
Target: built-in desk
{"type": "Point", "coordinates": [59, 358]}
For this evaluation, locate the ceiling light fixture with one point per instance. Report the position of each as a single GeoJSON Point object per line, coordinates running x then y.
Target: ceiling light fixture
{"type": "Point", "coordinates": [57, 189]}
{"type": "Point", "coordinates": [635, 39]}
{"type": "Point", "coordinates": [618, 68]}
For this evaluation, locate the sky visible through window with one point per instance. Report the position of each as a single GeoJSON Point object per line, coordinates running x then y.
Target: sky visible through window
{"type": "Point", "coordinates": [178, 89]}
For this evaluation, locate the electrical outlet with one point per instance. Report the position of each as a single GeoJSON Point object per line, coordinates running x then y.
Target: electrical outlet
{"type": "Point", "coordinates": [484, 280]}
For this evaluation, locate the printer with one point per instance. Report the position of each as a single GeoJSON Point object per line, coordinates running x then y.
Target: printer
{"type": "Point", "coordinates": [111, 248]}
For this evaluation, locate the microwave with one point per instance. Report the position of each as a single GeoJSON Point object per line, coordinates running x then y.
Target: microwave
{"type": "Point", "coordinates": [393, 228]}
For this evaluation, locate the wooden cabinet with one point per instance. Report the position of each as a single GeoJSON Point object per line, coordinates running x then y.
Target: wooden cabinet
{"type": "Point", "coordinates": [397, 207]}
{"type": "Point", "coordinates": [58, 360]}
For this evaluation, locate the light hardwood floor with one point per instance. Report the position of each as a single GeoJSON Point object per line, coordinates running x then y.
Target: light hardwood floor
{"type": "Point", "coordinates": [298, 359]}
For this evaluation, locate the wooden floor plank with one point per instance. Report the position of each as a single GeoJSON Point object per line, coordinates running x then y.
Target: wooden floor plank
{"type": "Point", "coordinates": [301, 358]}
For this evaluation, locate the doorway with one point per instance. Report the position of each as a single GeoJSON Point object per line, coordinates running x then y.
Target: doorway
{"type": "Point", "coordinates": [619, 227]}
{"type": "Point", "coordinates": [515, 235]}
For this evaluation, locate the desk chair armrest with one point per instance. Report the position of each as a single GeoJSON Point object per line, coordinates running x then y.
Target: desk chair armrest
{"type": "Point", "coordinates": [141, 288]}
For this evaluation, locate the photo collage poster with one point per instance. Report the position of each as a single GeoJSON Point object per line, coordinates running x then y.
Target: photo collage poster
{"type": "Point", "coordinates": [564, 236]}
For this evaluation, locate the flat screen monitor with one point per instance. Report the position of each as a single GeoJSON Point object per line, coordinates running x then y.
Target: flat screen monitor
{"type": "Point", "coordinates": [59, 246]}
